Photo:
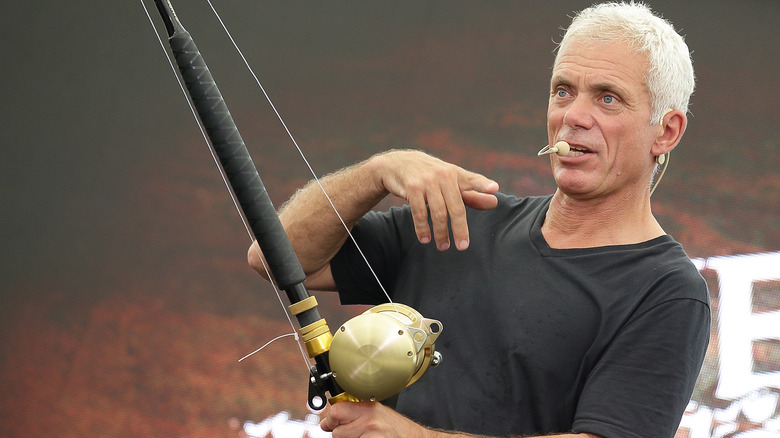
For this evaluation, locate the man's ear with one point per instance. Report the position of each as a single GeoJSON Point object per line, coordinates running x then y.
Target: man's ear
{"type": "Point", "coordinates": [671, 130]}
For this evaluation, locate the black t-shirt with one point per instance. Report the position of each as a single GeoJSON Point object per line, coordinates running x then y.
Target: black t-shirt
{"type": "Point", "coordinates": [537, 340]}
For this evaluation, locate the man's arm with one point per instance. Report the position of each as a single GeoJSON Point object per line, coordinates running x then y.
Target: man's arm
{"type": "Point", "coordinates": [354, 420]}
{"type": "Point", "coordinates": [430, 186]}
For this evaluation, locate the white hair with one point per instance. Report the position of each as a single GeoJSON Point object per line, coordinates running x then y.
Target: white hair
{"type": "Point", "coordinates": [670, 79]}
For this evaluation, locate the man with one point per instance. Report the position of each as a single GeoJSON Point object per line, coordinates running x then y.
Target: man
{"type": "Point", "coordinates": [571, 314]}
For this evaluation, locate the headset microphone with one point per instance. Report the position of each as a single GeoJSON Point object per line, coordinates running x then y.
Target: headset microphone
{"type": "Point", "coordinates": [561, 148]}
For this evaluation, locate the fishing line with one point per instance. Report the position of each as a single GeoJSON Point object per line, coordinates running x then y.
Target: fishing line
{"type": "Point", "coordinates": [300, 150]}
{"type": "Point", "coordinates": [232, 195]}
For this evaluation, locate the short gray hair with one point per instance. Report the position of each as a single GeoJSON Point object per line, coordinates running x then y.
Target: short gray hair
{"type": "Point", "coordinates": [670, 79]}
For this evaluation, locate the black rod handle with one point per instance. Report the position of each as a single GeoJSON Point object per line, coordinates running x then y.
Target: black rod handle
{"type": "Point", "coordinates": [233, 155]}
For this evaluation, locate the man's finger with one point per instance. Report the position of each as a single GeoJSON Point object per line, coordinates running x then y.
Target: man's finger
{"type": "Point", "coordinates": [437, 207]}
{"type": "Point", "coordinates": [420, 217]}
{"type": "Point", "coordinates": [457, 216]}
{"type": "Point", "coordinates": [338, 415]}
{"type": "Point", "coordinates": [479, 201]}
{"type": "Point", "coordinates": [328, 423]}
{"type": "Point", "coordinates": [478, 182]}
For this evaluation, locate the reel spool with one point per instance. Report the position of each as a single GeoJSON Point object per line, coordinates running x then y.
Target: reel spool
{"type": "Point", "coordinates": [375, 355]}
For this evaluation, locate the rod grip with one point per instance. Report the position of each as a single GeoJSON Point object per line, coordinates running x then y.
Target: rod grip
{"type": "Point", "coordinates": [236, 162]}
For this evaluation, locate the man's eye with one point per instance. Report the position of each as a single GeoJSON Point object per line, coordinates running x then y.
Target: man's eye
{"type": "Point", "coordinates": [561, 92]}
{"type": "Point", "coordinates": [608, 99]}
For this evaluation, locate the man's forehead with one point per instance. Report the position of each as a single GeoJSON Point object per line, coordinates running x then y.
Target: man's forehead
{"type": "Point", "coordinates": [605, 62]}
{"type": "Point", "coordinates": [618, 51]}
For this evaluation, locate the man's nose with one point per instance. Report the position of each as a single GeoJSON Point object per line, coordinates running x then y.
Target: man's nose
{"type": "Point", "coordinates": [579, 114]}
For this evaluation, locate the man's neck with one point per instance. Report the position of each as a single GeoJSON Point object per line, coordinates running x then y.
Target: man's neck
{"type": "Point", "coordinates": [575, 223]}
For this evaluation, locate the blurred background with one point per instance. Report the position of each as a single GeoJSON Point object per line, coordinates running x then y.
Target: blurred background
{"type": "Point", "coordinates": [125, 298]}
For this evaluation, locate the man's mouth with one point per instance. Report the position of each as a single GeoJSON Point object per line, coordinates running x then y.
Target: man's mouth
{"type": "Point", "coordinates": [576, 150]}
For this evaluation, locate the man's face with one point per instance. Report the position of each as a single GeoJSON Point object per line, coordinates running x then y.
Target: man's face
{"type": "Point", "coordinates": [600, 105]}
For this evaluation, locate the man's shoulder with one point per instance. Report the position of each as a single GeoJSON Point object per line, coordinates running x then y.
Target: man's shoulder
{"type": "Point", "coordinates": [679, 271]}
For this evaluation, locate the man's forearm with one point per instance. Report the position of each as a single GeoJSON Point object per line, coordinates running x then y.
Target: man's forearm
{"type": "Point", "coordinates": [310, 221]}
{"type": "Point", "coordinates": [423, 181]}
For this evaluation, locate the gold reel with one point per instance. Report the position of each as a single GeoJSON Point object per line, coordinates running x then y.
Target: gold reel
{"type": "Point", "coordinates": [375, 355]}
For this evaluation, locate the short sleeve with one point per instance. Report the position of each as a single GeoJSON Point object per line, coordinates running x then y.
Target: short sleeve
{"type": "Point", "coordinates": [381, 239]}
{"type": "Point", "coordinates": [647, 374]}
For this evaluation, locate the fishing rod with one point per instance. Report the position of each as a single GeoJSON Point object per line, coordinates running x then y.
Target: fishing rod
{"type": "Point", "coordinates": [394, 338]}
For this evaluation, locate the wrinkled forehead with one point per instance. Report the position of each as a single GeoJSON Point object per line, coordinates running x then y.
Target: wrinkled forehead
{"type": "Point", "coordinates": [621, 46]}
{"type": "Point", "coordinates": [592, 53]}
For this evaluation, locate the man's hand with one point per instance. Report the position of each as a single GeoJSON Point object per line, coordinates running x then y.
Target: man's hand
{"type": "Point", "coordinates": [374, 420]}
{"type": "Point", "coordinates": [370, 420]}
{"type": "Point", "coordinates": [430, 184]}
